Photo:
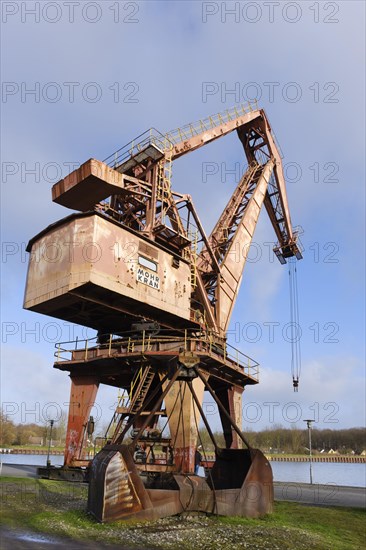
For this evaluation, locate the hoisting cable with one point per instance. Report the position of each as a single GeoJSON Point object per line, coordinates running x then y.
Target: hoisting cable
{"type": "Point", "coordinates": [295, 325]}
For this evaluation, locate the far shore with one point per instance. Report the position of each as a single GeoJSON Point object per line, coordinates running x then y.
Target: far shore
{"type": "Point", "coordinates": [209, 457]}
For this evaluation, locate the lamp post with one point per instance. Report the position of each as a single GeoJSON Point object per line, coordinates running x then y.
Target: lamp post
{"type": "Point", "coordinates": [49, 444]}
{"type": "Point", "coordinates": [309, 421]}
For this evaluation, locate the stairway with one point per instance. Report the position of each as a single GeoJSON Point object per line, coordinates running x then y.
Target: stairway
{"type": "Point", "coordinates": [140, 386]}
{"type": "Point", "coordinates": [138, 397]}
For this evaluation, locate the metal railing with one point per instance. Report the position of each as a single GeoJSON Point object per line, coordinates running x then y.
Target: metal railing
{"type": "Point", "coordinates": [194, 129]}
{"type": "Point", "coordinates": [128, 343]}
{"type": "Point", "coordinates": [141, 142]}
{"type": "Point", "coordinates": [164, 142]}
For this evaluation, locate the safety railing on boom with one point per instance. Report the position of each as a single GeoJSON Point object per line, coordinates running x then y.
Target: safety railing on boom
{"type": "Point", "coordinates": [195, 128]}
{"type": "Point", "coordinates": [128, 343]}
{"type": "Point", "coordinates": [164, 142]}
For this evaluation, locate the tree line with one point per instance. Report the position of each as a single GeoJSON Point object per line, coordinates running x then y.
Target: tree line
{"type": "Point", "coordinates": [296, 441]}
{"type": "Point", "coordinates": [24, 434]}
{"type": "Point", "coordinates": [274, 439]}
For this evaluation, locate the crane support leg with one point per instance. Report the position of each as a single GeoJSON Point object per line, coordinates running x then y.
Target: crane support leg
{"type": "Point", "coordinates": [235, 411]}
{"type": "Point", "coordinates": [184, 418]}
{"type": "Point", "coordinates": [82, 397]}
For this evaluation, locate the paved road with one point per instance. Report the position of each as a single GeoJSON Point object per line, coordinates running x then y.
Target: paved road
{"type": "Point", "coordinates": [318, 495]}
{"type": "Point", "coordinates": [321, 495]}
{"type": "Point", "coordinates": [18, 470]}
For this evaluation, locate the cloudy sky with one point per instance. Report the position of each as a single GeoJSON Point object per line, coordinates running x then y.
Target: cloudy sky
{"type": "Point", "coordinates": [81, 79]}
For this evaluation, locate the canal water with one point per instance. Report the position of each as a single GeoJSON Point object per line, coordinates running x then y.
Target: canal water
{"type": "Point", "coordinates": [352, 475]}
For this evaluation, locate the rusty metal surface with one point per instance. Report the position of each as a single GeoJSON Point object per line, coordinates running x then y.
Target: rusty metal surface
{"type": "Point", "coordinates": [100, 263]}
{"type": "Point", "coordinates": [243, 483]}
{"type": "Point", "coordinates": [232, 270]}
{"type": "Point", "coordinates": [82, 396]}
{"type": "Point", "coordinates": [254, 498]}
{"type": "Point", "coordinates": [225, 363]}
{"type": "Point", "coordinates": [187, 145]}
{"type": "Point", "coordinates": [241, 486]}
{"type": "Point", "coordinates": [184, 418]}
{"type": "Point", "coordinates": [195, 494]}
{"type": "Point", "coordinates": [88, 185]}
{"type": "Point", "coordinates": [114, 490]}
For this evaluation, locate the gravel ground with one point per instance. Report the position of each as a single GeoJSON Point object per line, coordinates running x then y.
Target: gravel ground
{"type": "Point", "coordinates": [199, 532]}
{"type": "Point", "coordinates": [204, 533]}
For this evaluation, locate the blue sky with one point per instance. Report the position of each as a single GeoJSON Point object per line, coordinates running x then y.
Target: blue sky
{"type": "Point", "coordinates": [165, 64]}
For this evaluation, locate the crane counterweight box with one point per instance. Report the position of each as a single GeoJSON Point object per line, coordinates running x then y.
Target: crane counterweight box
{"type": "Point", "coordinates": [89, 270]}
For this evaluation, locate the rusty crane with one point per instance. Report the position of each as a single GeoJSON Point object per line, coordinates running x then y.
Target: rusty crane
{"type": "Point", "coordinates": [134, 263]}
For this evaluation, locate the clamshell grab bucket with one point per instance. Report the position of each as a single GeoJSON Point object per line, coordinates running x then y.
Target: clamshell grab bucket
{"type": "Point", "coordinates": [239, 484]}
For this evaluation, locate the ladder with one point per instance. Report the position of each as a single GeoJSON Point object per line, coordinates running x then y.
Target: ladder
{"type": "Point", "coordinates": [164, 179]}
{"type": "Point", "coordinates": [136, 400]}
{"type": "Point", "coordinates": [234, 211]}
{"type": "Point", "coordinates": [193, 252]}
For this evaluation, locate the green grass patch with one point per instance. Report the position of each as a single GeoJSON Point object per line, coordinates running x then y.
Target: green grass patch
{"type": "Point", "coordinates": [336, 527]}
{"type": "Point", "coordinates": [59, 508]}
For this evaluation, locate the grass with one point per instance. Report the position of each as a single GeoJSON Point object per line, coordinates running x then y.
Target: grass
{"type": "Point", "coordinates": [337, 528]}
{"type": "Point", "coordinates": [58, 508]}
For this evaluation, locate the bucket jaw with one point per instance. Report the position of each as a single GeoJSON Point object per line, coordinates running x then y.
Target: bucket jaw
{"type": "Point", "coordinates": [240, 484]}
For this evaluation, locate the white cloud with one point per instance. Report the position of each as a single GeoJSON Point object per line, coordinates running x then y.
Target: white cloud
{"type": "Point", "coordinates": [33, 391]}
{"type": "Point", "coordinates": [331, 390]}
